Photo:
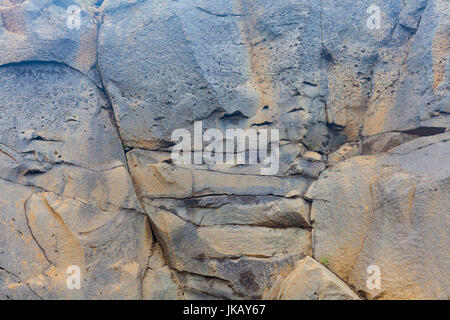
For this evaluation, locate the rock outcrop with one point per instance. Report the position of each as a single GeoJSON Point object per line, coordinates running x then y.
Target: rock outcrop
{"type": "Point", "coordinates": [312, 281]}
{"type": "Point", "coordinates": [389, 210]}
{"type": "Point", "coordinates": [87, 179]}
{"type": "Point", "coordinates": [67, 197]}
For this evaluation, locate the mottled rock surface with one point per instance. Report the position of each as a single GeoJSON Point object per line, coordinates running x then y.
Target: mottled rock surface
{"type": "Point", "coordinates": [39, 30]}
{"type": "Point", "coordinates": [67, 198]}
{"type": "Point", "coordinates": [86, 174]}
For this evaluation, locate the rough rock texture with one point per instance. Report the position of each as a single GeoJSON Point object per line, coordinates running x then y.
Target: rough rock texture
{"type": "Point", "coordinates": [37, 30]}
{"type": "Point", "coordinates": [312, 281]}
{"type": "Point", "coordinates": [391, 211]}
{"type": "Point", "coordinates": [67, 198]}
{"type": "Point", "coordinates": [87, 179]}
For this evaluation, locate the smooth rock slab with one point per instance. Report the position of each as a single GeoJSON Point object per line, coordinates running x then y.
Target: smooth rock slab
{"type": "Point", "coordinates": [312, 281]}
{"type": "Point", "coordinates": [263, 211]}
{"type": "Point", "coordinates": [183, 241]}
{"type": "Point", "coordinates": [225, 251]}
{"type": "Point", "coordinates": [390, 211]}
{"type": "Point", "coordinates": [111, 249]}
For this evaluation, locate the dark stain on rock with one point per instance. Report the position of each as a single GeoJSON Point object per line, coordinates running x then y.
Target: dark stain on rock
{"type": "Point", "coordinates": [247, 280]}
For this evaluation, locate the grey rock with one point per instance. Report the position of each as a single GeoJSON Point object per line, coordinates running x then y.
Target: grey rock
{"type": "Point", "coordinates": [156, 178]}
{"type": "Point", "coordinates": [263, 211]}
{"type": "Point", "coordinates": [384, 142]}
{"type": "Point", "coordinates": [202, 287]}
{"type": "Point", "coordinates": [68, 198]}
{"type": "Point", "coordinates": [309, 168]}
{"type": "Point", "coordinates": [42, 30]}
{"type": "Point", "coordinates": [346, 151]}
{"type": "Point", "coordinates": [224, 251]}
{"type": "Point", "coordinates": [159, 285]}
{"type": "Point", "coordinates": [228, 241]}
{"type": "Point", "coordinates": [159, 281]}
{"type": "Point", "coordinates": [58, 136]}
{"type": "Point", "coordinates": [73, 101]}
{"type": "Point", "coordinates": [415, 96]}
{"type": "Point", "coordinates": [228, 64]}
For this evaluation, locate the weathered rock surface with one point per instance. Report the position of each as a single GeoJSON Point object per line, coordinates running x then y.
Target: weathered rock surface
{"type": "Point", "coordinates": [346, 151]}
{"type": "Point", "coordinates": [385, 141]}
{"type": "Point", "coordinates": [390, 211]}
{"type": "Point", "coordinates": [263, 211]}
{"type": "Point", "coordinates": [230, 64]}
{"type": "Point", "coordinates": [159, 282]}
{"type": "Point", "coordinates": [39, 30]}
{"type": "Point", "coordinates": [413, 93]}
{"type": "Point", "coordinates": [213, 225]}
{"type": "Point", "coordinates": [58, 136]}
{"type": "Point", "coordinates": [87, 178]}
{"type": "Point", "coordinates": [155, 178]}
{"type": "Point", "coordinates": [67, 198]}
{"type": "Point", "coordinates": [312, 281]}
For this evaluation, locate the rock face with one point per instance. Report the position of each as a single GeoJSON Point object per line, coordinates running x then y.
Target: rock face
{"type": "Point", "coordinates": [390, 211]}
{"type": "Point", "coordinates": [312, 281]}
{"type": "Point", "coordinates": [87, 114]}
{"type": "Point", "coordinates": [67, 198]}
{"type": "Point", "coordinates": [44, 30]}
